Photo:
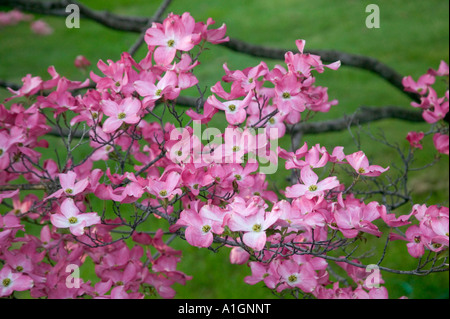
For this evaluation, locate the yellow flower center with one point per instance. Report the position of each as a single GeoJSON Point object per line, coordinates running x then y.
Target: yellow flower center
{"type": "Point", "coordinates": [312, 188]}
{"type": "Point", "coordinates": [69, 191]}
{"type": "Point", "coordinates": [6, 282]}
{"type": "Point", "coordinates": [163, 193]}
{"type": "Point", "coordinates": [286, 95]}
{"type": "Point", "coordinates": [256, 228]}
{"type": "Point", "coordinates": [206, 228]}
{"type": "Point", "coordinates": [73, 220]}
{"type": "Point", "coordinates": [292, 278]}
{"type": "Point", "coordinates": [170, 43]}
{"type": "Point", "coordinates": [121, 116]}
{"type": "Point", "coordinates": [232, 107]}
{"type": "Point", "coordinates": [361, 170]}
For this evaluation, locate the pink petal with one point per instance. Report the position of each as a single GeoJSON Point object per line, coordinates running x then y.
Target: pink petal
{"type": "Point", "coordinates": [255, 240]}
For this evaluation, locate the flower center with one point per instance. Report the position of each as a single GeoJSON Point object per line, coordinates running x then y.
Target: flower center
{"type": "Point", "coordinates": [257, 228]}
{"type": "Point", "coordinates": [121, 116]}
{"type": "Point", "coordinates": [206, 228]}
{"type": "Point", "coordinates": [195, 186]}
{"type": "Point", "coordinates": [6, 282]}
{"type": "Point", "coordinates": [158, 92]}
{"type": "Point", "coordinates": [163, 193]}
{"type": "Point", "coordinates": [312, 188]}
{"type": "Point", "coordinates": [232, 107]}
{"type": "Point", "coordinates": [236, 148]}
{"type": "Point", "coordinates": [292, 278]}
{"type": "Point", "coordinates": [286, 95]}
{"type": "Point", "coordinates": [73, 220]}
{"type": "Point", "coordinates": [19, 268]}
{"type": "Point", "coordinates": [238, 177]}
{"type": "Point", "coordinates": [69, 191]}
{"type": "Point", "coordinates": [272, 121]}
{"type": "Point", "coordinates": [250, 80]}
{"type": "Point", "coordinates": [361, 170]}
{"type": "Point", "coordinates": [417, 239]}
{"type": "Point", "coordinates": [1, 152]}
{"type": "Point", "coordinates": [437, 245]}
{"type": "Point", "coordinates": [179, 153]}
{"type": "Point", "coordinates": [170, 43]}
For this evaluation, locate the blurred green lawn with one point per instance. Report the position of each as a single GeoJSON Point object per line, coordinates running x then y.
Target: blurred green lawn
{"type": "Point", "coordinates": [413, 37]}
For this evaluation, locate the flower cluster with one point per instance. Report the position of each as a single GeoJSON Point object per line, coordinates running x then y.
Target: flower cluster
{"type": "Point", "coordinates": [434, 108]}
{"type": "Point", "coordinates": [122, 163]}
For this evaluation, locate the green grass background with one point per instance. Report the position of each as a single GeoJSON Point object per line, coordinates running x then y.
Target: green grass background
{"type": "Point", "coordinates": [413, 37]}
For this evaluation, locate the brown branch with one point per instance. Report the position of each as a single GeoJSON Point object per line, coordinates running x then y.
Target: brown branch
{"type": "Point", "coordinates": [139, 24]}
{"type": "Point", "coordinates": [364, 115]}
{"type": "Point", "coordinates": [23, 187]}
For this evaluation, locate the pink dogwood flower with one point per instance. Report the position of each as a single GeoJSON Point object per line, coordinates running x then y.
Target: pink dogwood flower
{"type": "Point", "coordinates": [234, 110]}
{"type": "Point", "coordinates": [416, 245]}
{"type": "Point", "coordinates": [125, 112]}
{"type": "Point", "coordinates": [167, 87]}
{"type": "Point", "coordinates": [31, 85]}
{"type": "Point", "coordinates": [214, 36]}
{"type": "Point", "coordinates": [69, 186]}
{"type": "Point", "coordinates": [355, 217]}
{"type": "Point", "coordinates": [165, 188]}
{"type": "Point", "coordinates": [176, 33]}
{"type": "Point", "coordinates": [294, 275]}
{"type": "Point", "coordinates": [414, 139]}
{"type": "Point", "coordinates": [441, 143]}
{"type": "Point", "coordinates": [254, 227]}
{"type": "Point", "coordinates": [199, 228]}
{"type": "Point", "coordinates": [41, 27]}
{"type": "Point", "coordinates": [421, 86]}
{"type": "Point", "coordinates": [442, 70]}
{"type": "Point", "coordinates": [71, 217]}
{"type": "Point", "coordinates": [11, 281]}
{"type": "Point", "coordinates": [81, 62]}
{"type": "Point", "coordinates": [360, 163]}
{"type": "Point", "coordinates": [311, 187]}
